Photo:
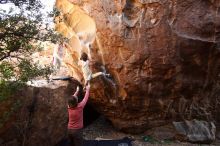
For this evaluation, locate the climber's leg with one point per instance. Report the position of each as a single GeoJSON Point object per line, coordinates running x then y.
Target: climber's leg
{"type": "Point", "coordinates": [97, 74]}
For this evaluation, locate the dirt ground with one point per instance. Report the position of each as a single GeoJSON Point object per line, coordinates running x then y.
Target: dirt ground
{"type": "Point", "coordinates": [102, 129]}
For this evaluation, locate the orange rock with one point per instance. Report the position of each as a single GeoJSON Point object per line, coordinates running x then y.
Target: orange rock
{"type": "Point", "coordinates": [162, 55]}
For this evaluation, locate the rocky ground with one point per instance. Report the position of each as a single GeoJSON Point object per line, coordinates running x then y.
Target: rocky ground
{"type": "Point", "coordinates": [102, 129]}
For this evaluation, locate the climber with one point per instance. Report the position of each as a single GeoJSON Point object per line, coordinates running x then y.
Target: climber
{"type": "Point", "coordinates": [75, 112]}
{"type": "Point", "coordinates": [87, 73]}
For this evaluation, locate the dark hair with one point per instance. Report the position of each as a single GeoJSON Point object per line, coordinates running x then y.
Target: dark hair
{"type": "Point", "coordinates": [84, 56]}
{"type": "Point", "coordinates": [73, 101]}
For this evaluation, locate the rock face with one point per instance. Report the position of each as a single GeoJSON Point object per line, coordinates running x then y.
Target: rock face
{"type": "Point", "coordinates": [42, 118]}
{"type": "Point", "coordinates": [163, 56]}
{"type": "Point", "coordinates": [196, 131]}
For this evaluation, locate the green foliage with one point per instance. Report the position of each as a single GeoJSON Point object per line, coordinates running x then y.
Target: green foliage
{"type": "Point", "coordinates": [20, 2]}
{"type": "Point", "coordinates": [20, 36]}
{"type": "Point", "coordinates": [6, 70]}
{"type": "Point", "coordinates": [14, 77]}
{"type": "Point", "coordinates": [55, 13]}
{"type": "Point", "coordinates": [8, 88]}
{"type": "Point", "coordinates": [29, 70]}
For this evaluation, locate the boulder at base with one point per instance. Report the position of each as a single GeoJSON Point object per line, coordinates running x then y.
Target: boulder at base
{"type": "Point", "coordinates": [196, 131]}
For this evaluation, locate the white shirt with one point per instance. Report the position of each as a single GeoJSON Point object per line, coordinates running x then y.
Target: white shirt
{"type": "Point", "coordinates": [85, 69]}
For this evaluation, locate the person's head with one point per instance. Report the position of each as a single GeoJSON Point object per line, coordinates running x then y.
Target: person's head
{"type": "Point", "coordinates": [84, 56]}
{"type": "Point", "coordinates": [72, 101]}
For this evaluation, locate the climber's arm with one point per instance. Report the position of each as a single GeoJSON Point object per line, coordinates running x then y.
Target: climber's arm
{"type": "Point", "coordinates": [77, 91]}
{"type": "Point", "coordinates": [85, 99]}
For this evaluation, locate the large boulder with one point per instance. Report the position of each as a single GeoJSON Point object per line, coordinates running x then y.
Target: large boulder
{"type": "Point", "coordinates": [163, 56]}
{"type": "Point", "coordinates": [41, 117]}
{"type": "Point", "coordinates": [196, 131]}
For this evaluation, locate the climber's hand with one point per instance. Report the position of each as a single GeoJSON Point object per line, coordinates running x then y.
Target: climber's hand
{"type": "Point", "coordinates": [77, 88]}
{"type": "Point", "coordinates": [88, 86]}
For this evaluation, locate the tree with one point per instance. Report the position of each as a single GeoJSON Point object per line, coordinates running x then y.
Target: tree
{"type": "Point", "coordinates": [20, 36]}
{"type": "Point", "coordinates": [21, 2]}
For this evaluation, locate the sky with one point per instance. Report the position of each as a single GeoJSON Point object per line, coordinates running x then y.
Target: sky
{"type": "Point", "coordinates": [47, 4]}
{"type": "Point", "coordinates": [47, 7]}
